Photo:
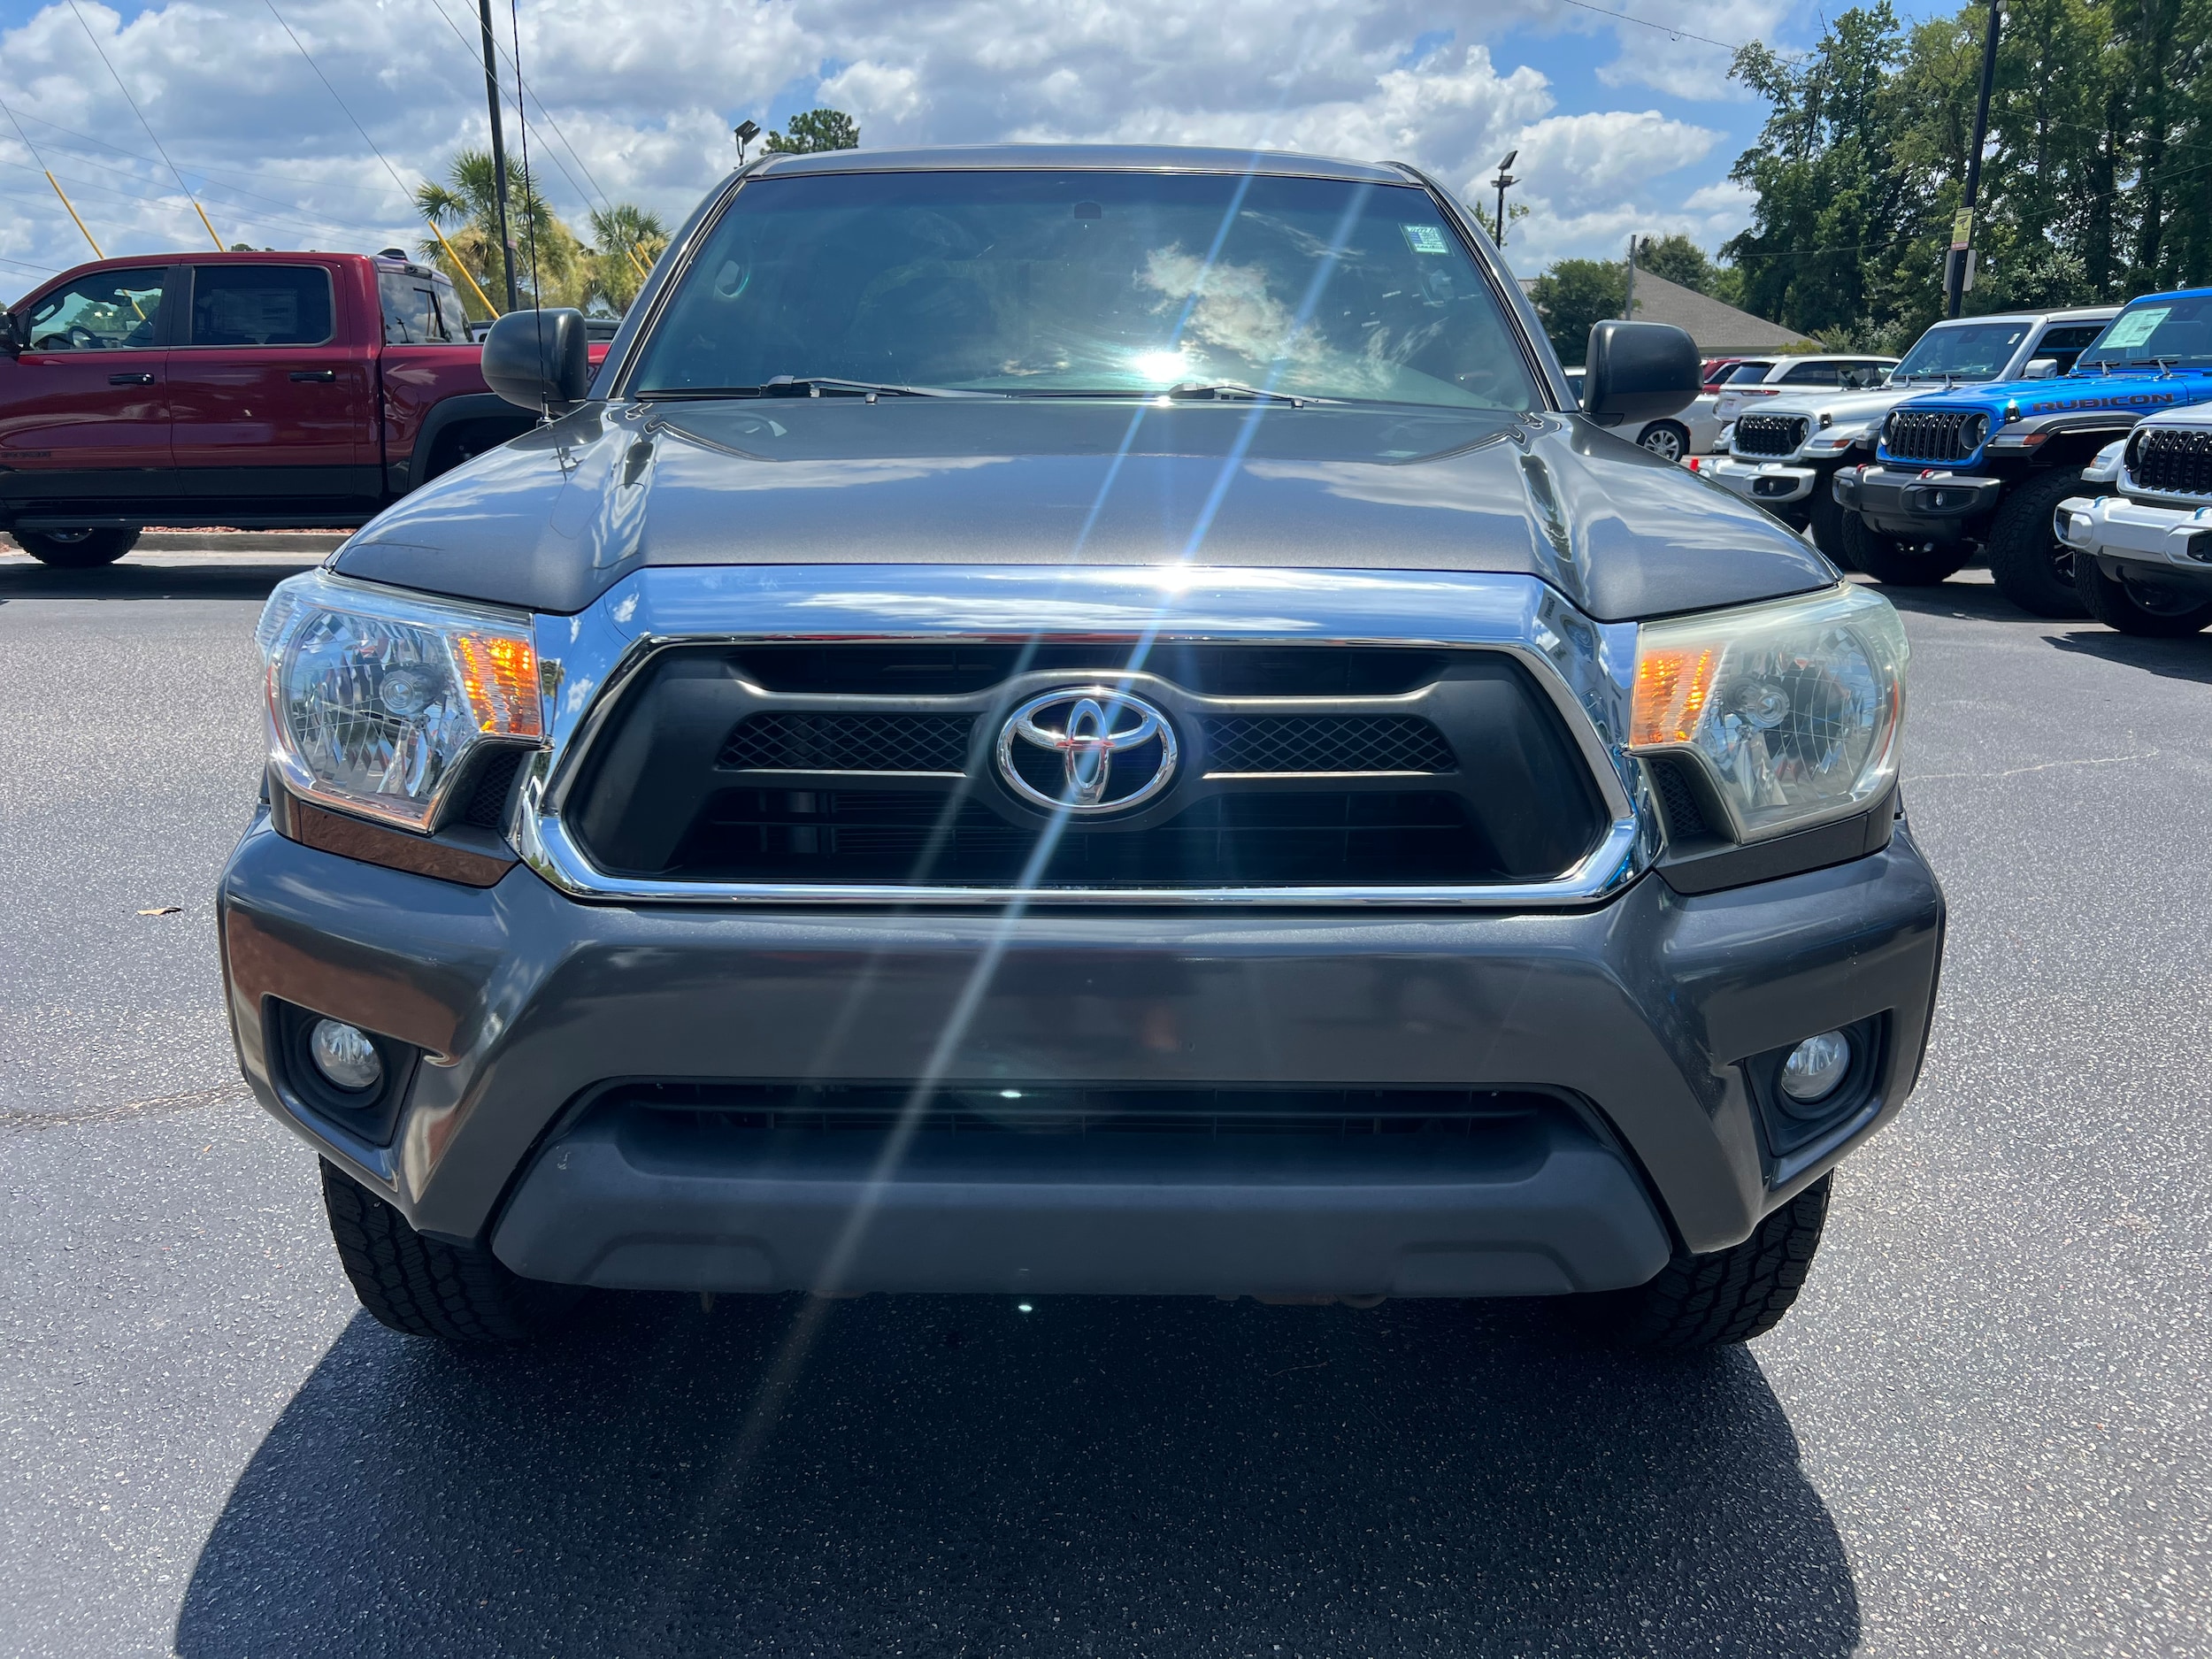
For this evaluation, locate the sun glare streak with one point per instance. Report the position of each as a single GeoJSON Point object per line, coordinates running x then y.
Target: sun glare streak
{"type": "Point", "coordinates": [792, 1352]}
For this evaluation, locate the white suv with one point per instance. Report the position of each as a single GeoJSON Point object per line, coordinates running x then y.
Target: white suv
{"type": "Point", "coordinates": [1756, 379]}
{"type": "Point", "coordinates": [2143, 557]}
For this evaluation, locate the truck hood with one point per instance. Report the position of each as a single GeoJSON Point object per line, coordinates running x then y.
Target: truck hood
{"type": "Point", "coordinates": [1843, 408]}
{"type": "Point", "coordinates": [2130, 391]}
{"type": "Point", "coordinates": [551, 520]}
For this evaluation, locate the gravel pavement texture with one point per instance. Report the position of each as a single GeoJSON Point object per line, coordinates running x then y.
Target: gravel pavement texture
{"type": "Point", "coordinates": [1984, 1431]}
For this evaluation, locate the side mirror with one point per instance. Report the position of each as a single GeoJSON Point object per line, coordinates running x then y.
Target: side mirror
{"type": "Point", "coordinates": [2040, 369]}
{"type": "Point", "coordinates": [15, 334]}
{"type": "Point", "coordinates": [538, 359]}
{"type": "Point", "coordinates": [1639, 371]}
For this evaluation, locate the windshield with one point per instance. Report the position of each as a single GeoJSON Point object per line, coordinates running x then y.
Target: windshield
{"type": "Point", "coordinates": [1041, 283]}
{"type": "Point", "coordinates": [1968, 351]}
{"type": "Point", "coordinates": [2173, 329]}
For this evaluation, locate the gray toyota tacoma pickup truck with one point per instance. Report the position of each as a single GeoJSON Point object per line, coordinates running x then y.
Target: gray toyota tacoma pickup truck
{"type": "Point", "coordinates": [1065, 720]}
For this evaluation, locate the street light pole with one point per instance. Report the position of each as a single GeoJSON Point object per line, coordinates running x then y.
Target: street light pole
{"type": "Point", "coordinates": [499, 156]}
{"type": "Point", "coordinates": [1963, 227]}
{"type": "Point", "coordinates": [1502, 181]}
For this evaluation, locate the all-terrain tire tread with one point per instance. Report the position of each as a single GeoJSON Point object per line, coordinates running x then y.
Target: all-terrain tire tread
{"type": "Point", "coordinates": [2020, 542]}
{"type": "Point", "coordinates": [2108, 601]}
{"type": "Point", "coordinates": [425, 1287]}
{"type": "Point", "coordinates": [1731, 1295]}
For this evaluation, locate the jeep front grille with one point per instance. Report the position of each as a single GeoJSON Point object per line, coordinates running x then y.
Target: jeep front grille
{"type": "Point", "coordinates": [705, 771]}
{"type": "Point", "coordinates": [1769, 434]}
{"type": "Point", "coordinates": [1934, 436]}
{"type": "Point", "coordinates": [2175, 461]}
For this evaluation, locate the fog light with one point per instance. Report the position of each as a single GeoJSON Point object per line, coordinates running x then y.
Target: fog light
{"type": "Point", "coordinates": [344, 1055]}
{"type": "Point", "coordinates": [1816, 1067]}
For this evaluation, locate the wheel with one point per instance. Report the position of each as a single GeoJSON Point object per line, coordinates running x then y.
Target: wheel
{"type": "Point", "coordinates": [2032, 567]}
{"type": "Point", "coordinates": [1827, 524]}
{"type": "Point", "coordinates": [1898, 564]}
{"type": "Point", "coordinates": [1666, 440]}
{"type": "Point", "coordinates": [75, 550]}
{"type": "Point", "coordinates": [424, 1286]}
{"type": "Point", "coordinates": [2137, 607]}
{"type": "Point", "coordinates": [1728, 1297]}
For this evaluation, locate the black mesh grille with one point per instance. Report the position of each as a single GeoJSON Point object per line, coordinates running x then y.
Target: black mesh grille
{"type": "Point", "coordinates": [2171, 459]}
{"type": "Point", "coordinates": [486, 807]}
{"type": "Point", "coordinates": [791, 741]}
{"type": "Point", "coordinates": [1917, 435]}
{"type": "Point", "coordinates": [996, 1109]}
{"type": "Point", "coordinates": [913, 837]}
{"type": "Point", "coordinates": [1769, 434]}
{"type": "Point", "coordinates": [1325, 743]}
{"type": "Point", "coordinates": [1678, 801]}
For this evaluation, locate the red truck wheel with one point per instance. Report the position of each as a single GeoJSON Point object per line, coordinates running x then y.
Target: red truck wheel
{"type": "Point", "coordinates": [76, 550]}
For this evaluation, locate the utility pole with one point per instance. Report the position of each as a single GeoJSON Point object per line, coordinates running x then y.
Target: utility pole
{"type": "Point", "coordinates": [499, 156]}
{"type": "Point", "coordinates": [1954, 266]}
{"type": "Point", "coordinates": [1503, 179]}
{"type": "Point", "coordinates": [1628, 305]}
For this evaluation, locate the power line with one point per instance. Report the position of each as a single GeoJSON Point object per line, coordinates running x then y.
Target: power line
{"type": "Point", "coordinates": [521, 114]}
{"type": "Point", "coordinates": [1664, 28]}
{"type": "Point", "coordinates": [148, 124]}
{"type": "Point", "coordinates": [335, 98]}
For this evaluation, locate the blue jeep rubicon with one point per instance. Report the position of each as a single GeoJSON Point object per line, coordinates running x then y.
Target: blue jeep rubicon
{"type": "Point", "coordinates": [1986, 465]}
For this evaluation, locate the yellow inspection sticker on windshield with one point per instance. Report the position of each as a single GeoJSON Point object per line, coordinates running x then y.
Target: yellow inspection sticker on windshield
{"type": "Point", "coordinates": [1426, 239]}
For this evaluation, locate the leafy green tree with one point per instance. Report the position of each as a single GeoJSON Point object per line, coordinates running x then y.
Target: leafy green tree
{"type": "Point", "coordinates": [466, 209]}
{"type": "Point", "coordinates": [626, 240]}
{"type": "Point", "coordinates": [1572, 295]}
{"type": "Point", "coordinates": [816, 130]}
{"type": "Point", "coordinates": [1678, 260]}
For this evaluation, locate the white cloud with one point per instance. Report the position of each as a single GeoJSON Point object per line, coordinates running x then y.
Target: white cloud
{"type": "Point", "coordinates": [646, 95]}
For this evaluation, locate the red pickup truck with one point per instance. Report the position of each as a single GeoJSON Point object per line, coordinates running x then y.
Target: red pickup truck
{"type": "Point", "coordinates": [249, 390]}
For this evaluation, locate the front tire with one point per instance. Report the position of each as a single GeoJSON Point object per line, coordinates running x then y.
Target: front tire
{"type": "Point", "coordinates": [1717, 1301]}
{"type": "Point", "coordinates": [2141, 610]}
{"type": "Point", "coordinates": [1667, 440]}
{"type": "Point", "coordinates": [2032, 567]}
{"type": "Point", "coordinates": [1827, 516]}
{"type": "Point", "coordinates": [76, 550]}
{"type": "Point", "coordinates": [425, 1287]}
{"type": "Point", "coordinates": [1892, 563]}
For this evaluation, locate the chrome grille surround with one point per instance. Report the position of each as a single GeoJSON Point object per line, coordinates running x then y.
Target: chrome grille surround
{"type": "Point", "coordinates": [1585, 667]}
{"type": "Point", "coordinates": [1769, 437]}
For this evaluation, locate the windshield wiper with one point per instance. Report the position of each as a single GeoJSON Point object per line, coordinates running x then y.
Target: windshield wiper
{"type": "Point", "coordinates": [811, 386]}
{"type": "Point", "coordinates": [1226, 389]}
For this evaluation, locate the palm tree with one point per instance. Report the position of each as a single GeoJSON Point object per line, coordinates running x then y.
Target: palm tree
{"type": "Point", "coordinates": [467, 210]}
{"type": "Point", "coordinates": [625, 241]}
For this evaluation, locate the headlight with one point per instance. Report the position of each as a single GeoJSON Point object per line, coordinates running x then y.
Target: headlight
{"type": "Point", "coordinates": [376, 696]}
{"type": "Point", "coordinates": [2105, 468]}
{"type": "Point", "coordinates": [1834, 440]}
{"type": "Point", "coordinates": [1792, 709]}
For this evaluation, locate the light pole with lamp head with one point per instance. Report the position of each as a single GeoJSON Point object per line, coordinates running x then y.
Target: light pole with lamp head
{"type": "Point", "coordinates": [1503, 179]}
{"type": "Point", "coordinates": [744, 132]}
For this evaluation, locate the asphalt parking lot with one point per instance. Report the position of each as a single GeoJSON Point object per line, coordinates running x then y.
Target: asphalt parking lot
{"type": "Point", "coordinates": [1984, 1430]}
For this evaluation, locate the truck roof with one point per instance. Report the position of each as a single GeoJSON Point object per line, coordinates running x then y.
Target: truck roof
{"type": "Point", "coordinates": [1082, 157]}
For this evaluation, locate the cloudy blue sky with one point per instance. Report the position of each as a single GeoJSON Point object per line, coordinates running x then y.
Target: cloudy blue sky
{"type": "Point", "coordinates": [1620, 125]}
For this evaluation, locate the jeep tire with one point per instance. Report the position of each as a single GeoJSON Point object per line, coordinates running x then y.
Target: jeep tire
{"type": "Point", "coordinates": [76, 550]}
{"type": "Point", "coordinates": [1827, 515]}
{"type": "Point", "coordinates": [1716, 1301]}
{"type": "Point", "coordinates": [424, 1286]}
{"type": "Point", "coordinates": [2033, 568]}
{"type": "Point", "coordinates": [2138, 608]}
{"type": "Point", "coordinates": [1892, 563]}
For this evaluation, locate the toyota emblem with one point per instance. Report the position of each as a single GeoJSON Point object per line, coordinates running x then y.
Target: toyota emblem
{"type": "Point", "coordinates": [1114, 751]}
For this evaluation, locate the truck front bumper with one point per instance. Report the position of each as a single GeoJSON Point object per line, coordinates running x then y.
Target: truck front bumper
{"type": "Point", "coordinates": [2169, 545]}
{"type": "Point", "coordinates": [1771, 484]}
{"type": "Point", "coordinates": [1636, 1019]}
{"type": "Point", "coordinates": [1917, 506]}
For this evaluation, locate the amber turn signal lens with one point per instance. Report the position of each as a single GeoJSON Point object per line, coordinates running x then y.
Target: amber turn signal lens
{"type": "Point", "coordinates": [1671, 690]}
{"type": "Point", "coordinates": [499, 673]}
